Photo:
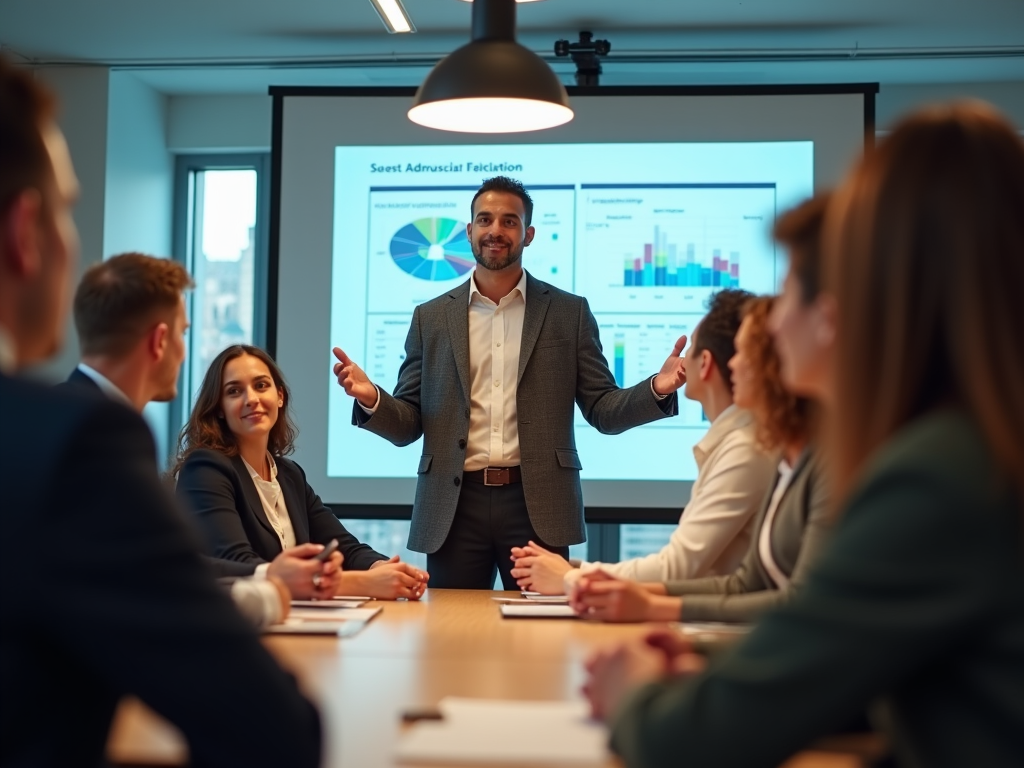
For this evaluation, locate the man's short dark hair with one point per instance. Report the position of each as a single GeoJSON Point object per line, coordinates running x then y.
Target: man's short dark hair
{"type": "Point", "coordinates": [512, 187]}
{"type": "Point", "coordinates": [717, 331]}
{"type": "Point", "coordinates": [26, 107]}
{"type": "Point", "coordinates": [119, 298]}
{"type": "Point", "coordinates": [799, 230]}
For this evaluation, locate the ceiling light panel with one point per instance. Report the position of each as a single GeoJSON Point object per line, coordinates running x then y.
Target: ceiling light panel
{"type": "Point", "coordinates": [394, 16]}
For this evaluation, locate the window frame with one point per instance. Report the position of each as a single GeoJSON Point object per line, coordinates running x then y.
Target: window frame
{"type": "Point", "coordinates": [184, 239]}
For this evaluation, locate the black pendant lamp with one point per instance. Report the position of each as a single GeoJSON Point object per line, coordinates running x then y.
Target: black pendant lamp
{"type": "Point", "coordinates": [493, 84]}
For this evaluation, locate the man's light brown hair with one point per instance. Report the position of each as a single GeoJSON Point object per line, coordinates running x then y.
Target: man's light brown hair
{"type": "Point", "coordinates": [119, 300]}
{"type": "Point", "coordinates": [26, 107]}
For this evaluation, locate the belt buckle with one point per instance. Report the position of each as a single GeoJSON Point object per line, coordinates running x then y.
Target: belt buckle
{"type": "Point", "coordinates": [486, 475]}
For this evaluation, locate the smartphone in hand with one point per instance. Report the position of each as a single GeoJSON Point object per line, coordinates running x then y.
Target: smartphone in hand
{"type": "Point", "coordinates": [326, 552]}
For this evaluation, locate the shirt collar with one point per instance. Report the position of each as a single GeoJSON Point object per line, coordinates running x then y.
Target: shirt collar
{"type": "Point", "coordinates": [109, 388]}
{"type": "Point", "coordinates": [728, 420]}
{"type": "Point", "coordinates": [256, 475]}
{"type": "Point", "coordinates": [474, 291]}
{"type": "Point", "coordinates": [8, 353]}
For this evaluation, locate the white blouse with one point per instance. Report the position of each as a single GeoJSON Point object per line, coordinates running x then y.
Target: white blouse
{"type": "Point", "coordinates": [273, 503]}
{"type": "Point", "coordinates": [764, 542]}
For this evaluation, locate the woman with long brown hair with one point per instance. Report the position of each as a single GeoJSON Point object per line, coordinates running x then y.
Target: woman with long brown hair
{"type": "Point", "coordinates": [917, 605]}
{"type": "Point", "coordinates": [251, 501]}
{"type": "Point", "coordinates": [791, 526]}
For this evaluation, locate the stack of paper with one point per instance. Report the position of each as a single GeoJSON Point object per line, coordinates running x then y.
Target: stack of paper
{"type": "Point", "coordinates": [537, 611]}
{"type": "Point", "coordinates": [348, 602]}
{"type": "Point", "coordinates": [481, 731]}
{"type": "Point", "coordinates": [326, 619]}
{"type": "Point", "coordinates": [302, 627]}
{"type": "Point", "coordinates": [537, 597]}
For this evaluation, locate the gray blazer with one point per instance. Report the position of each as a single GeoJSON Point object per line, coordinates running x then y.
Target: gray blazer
{"type": "Point", "coordinates": [800, 529]}
{"type": "Point", "coordinates": [560, 362]}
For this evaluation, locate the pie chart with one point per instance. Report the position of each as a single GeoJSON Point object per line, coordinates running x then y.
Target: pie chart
{"type": "Point", "coordinates": [433, 249]}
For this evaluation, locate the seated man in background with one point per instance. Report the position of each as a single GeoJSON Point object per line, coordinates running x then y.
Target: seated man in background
{"type": "Point", "coordinates": [732, 476]}
{"type": "Point", "coordinates": [131, 321]}
{"type": "Point", "coordinates": [90, 525]}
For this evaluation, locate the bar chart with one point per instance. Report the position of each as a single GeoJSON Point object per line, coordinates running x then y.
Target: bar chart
{"type": "Point", "coordinates": [661, 265]}
{"type": "Point", "coordinates": [667, 248]}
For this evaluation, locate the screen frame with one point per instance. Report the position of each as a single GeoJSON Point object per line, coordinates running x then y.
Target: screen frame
{"type": "Point", "coordinates": [279, 94]}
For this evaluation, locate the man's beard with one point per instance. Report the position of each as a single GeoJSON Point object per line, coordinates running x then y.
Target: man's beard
{"type": "Point", "coordinates": [496, 266]}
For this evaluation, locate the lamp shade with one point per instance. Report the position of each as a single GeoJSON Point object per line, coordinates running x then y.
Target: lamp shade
{"type": "Point", "coordinates": [492, 84]}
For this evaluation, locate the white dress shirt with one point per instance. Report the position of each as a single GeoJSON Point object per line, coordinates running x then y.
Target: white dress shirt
{"type": "Point", "coordinates": [764, 539]}
{"type": "Point", "coordinates": [715, 528]}
{"type": "Point", "coordinates": [495, 338]}
{"type": "Point", "coordinates": [109, 388]}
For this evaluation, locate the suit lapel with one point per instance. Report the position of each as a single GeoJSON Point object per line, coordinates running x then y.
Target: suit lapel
{"type": "Point", "coordinates": [78, 377]}
{"type": "Point", "coordinates": [295, 503]}
{"type": "Point", "coordinates": [457, 311]}
{"type": "Point", "coordinates": [252, 496]}
{"type": "Point", "coordinates": [538, 297]}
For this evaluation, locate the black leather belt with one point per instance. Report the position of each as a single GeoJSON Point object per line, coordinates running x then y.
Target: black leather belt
{"type": "Point", "coordinates": [494, 476]}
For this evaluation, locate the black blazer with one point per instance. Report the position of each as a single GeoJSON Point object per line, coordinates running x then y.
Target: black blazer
{"type": "Point", "coordinates": [917, 604]}
{"type": "Point", "coordinates": [137, 612]}
{"type": "Point", "coordinates": [223, 569]}
{"type": "Point", "coordinates": [223, 496]}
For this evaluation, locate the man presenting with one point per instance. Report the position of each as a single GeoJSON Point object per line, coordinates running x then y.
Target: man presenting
{"type": "Point", "coordinates": [491, 373]}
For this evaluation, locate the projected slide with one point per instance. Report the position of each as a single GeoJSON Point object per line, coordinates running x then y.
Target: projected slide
{"type": "Point", "coordinates": [646, 232]}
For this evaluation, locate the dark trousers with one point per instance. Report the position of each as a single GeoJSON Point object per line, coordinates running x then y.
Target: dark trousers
{"type": "Point", "coordinates": [489, 521]}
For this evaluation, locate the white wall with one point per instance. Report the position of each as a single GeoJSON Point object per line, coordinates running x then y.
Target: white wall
{"type": "Point", "coordinates": [116, 130]}
{"type": "Point", "coordinates": [83, 93]}
{"type": "Point", "coordinates": [140, 170]}
{"type": "Point", "coordinates": [229, 123]}
{"type": "Point", "coordinates": [224, 123]}
{"type": "Point", "coordinates": [896, 100]}
{"type": "Point", "coordinates": [139, 202]}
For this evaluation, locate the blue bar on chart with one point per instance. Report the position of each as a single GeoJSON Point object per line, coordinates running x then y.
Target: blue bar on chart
{"type": "Point", "coordinates": [620, 359]}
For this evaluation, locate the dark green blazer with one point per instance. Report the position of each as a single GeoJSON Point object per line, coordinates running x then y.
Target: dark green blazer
{"type": "Point", "coordinates": [800, 528]}
{"type": "Point", "coordinates": [917, 604]}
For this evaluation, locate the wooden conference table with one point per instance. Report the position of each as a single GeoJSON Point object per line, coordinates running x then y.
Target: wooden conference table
{"type": "Point", "coordinates": [452, 643]}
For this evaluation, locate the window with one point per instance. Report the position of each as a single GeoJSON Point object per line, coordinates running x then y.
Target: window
{"type": "Point", "coordinates": [220, 237]}
{"type": "Point", "coordinates": [640, 540]}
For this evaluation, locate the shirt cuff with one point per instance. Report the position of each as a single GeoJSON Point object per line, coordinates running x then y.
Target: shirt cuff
{"type": "Point", "coordinates": [260, 574]}
{"type": "Point", "coordinates": [377, 402]}
{"type": "Point", "coordinates": [654, 392]}
{"type": "Point", "coordinates": [258, 601]}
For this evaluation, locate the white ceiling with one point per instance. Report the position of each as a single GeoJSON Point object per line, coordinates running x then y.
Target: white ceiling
{"type": "Point", "coordinates": [226, 46]}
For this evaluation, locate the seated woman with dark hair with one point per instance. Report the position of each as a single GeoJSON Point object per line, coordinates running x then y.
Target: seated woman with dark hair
{"type": "Point", "coordinates": [791, 527]}
{"type": "Point", "coordinates": [252, 502]}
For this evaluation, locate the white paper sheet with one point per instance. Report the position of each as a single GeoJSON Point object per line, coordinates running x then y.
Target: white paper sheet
{"type": "Point", "coordinates": [300, 627]}
{"type": "Point", "coordinates": [482, 731]}
{"type": "Point", "coordinates": [538, 611]}
{"type": "Point", "coordinates": [338, 614]}
{"type": "Point", "coordinates": [329, 604]}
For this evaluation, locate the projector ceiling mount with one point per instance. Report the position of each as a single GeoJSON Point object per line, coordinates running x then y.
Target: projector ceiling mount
{"type": "Point", "coordinates": [586, 55]}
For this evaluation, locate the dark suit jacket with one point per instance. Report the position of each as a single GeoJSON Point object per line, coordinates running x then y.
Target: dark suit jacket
{"type": "Point", "coordinates": [801, 527]}
{"type": "Point", "coordinates": [223, 496]}
{"type": "Point", "coordinates": [560, 363]}
{"type": "Point", "coordinates": [223, 569]}
{"type": "Point", "coordinates": [918, 603]}
{"type": "Point", "coordinates": [104, 594]}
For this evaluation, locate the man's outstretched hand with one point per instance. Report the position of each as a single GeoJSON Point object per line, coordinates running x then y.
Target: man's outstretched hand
{"type": "Point", "coordinates": [672, 375]}
{"type": "Point", "coordinates": [353, 380]}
